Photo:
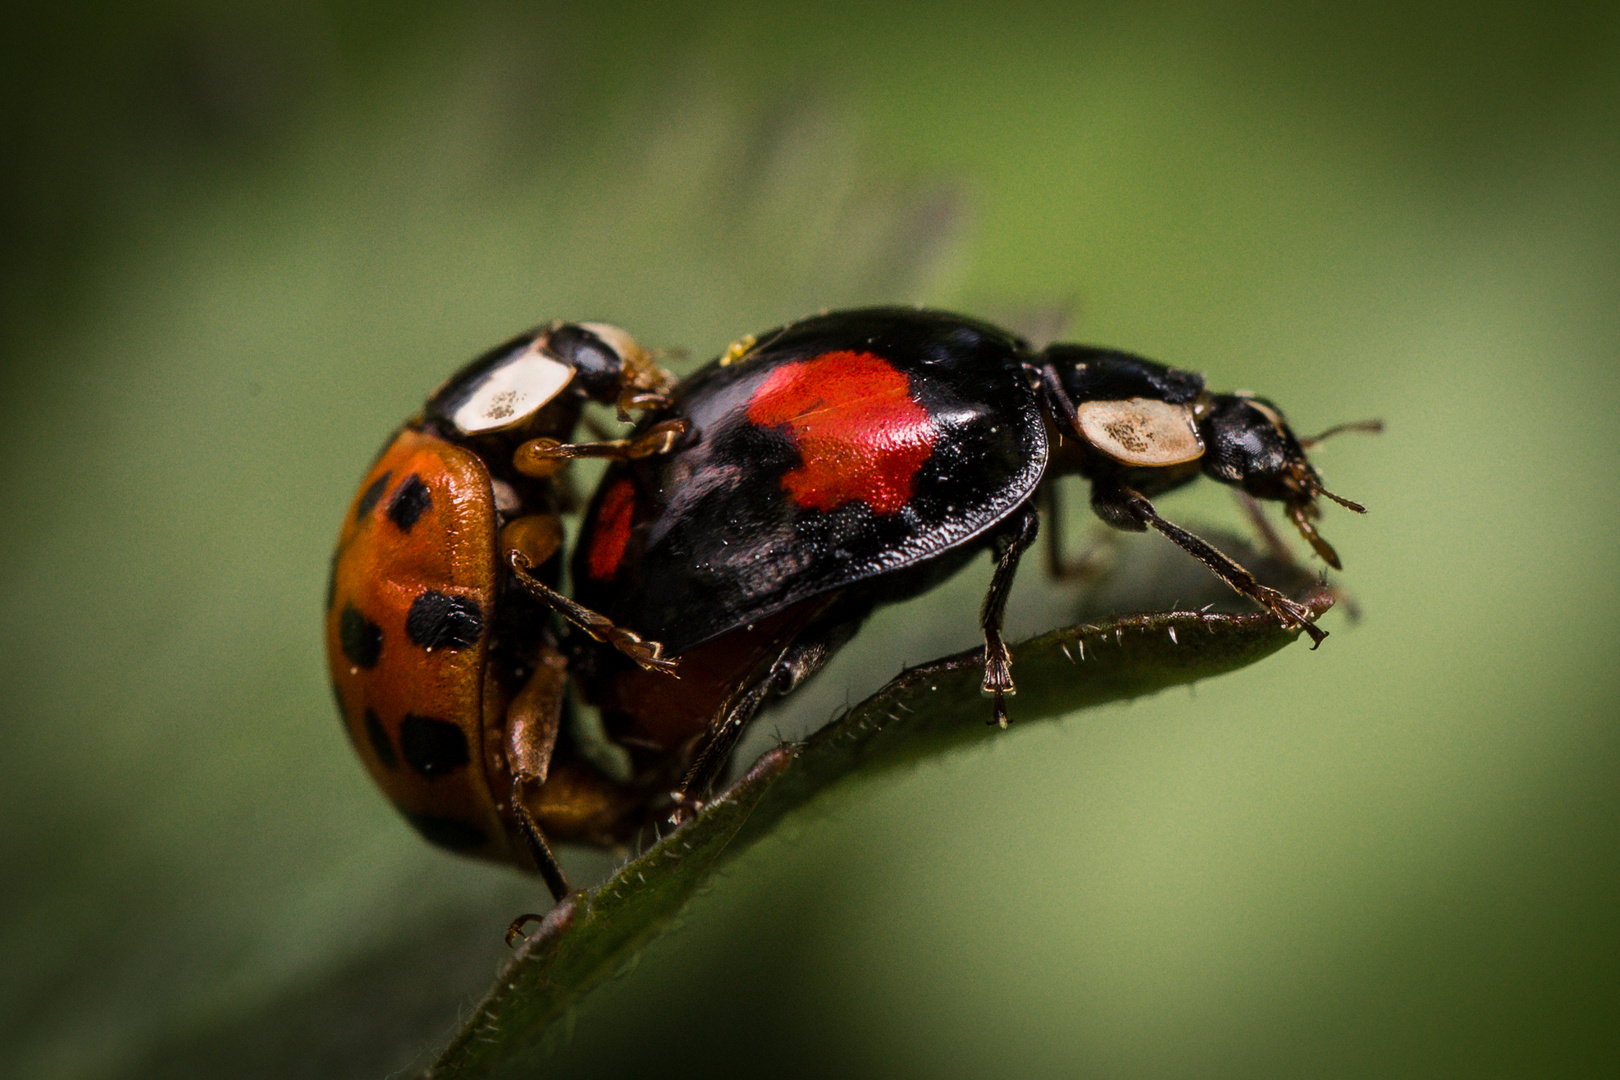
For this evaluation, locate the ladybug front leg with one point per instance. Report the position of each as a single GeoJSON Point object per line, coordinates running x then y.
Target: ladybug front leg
{"type": "Point", "coordinates": [544, 458]}
{"type": "Point", "coordinates": [531, 541]}
{"type": "Point", "coordinates": [1127, 508]}
{"type": "Point", "coordinates": [1009, 547]}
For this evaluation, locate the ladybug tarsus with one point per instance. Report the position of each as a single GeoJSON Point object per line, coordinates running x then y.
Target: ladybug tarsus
{"type": "Point", "coordinates": [683, 808]}
{"type": "Point", "coordinates": [644, 401]}
{"type": "Point", "coordinates": [998, 713]}
{"type": "Point", "coordinates": [517, 931]}
{"type": "Point", "coordinates": [1009, 548]}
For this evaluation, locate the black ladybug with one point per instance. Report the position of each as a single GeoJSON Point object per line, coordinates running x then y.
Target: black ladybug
{"type": "Point", "coordinates": [860, 457]}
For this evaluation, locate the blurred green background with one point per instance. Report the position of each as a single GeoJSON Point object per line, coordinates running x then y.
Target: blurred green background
{"type": "Point", "coordinates": [240, 244]}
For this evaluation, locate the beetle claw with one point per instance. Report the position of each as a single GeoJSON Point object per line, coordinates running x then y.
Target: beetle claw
{"type": "Point", "coordinates": [517, 930]}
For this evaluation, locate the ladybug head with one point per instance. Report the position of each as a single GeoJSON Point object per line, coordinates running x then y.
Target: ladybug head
{"type": "Point", "coordinates": [599, 354]}
{"type": "Point", "coordinates": [1249, 445]}
{"type": "Point", "coordinates": [507, 387]}
{"type": "Point", "coordinates": [609, 366]}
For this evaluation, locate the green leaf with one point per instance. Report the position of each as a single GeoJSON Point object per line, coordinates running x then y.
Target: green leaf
{"type": "Point", "coordinates": [924, 711]}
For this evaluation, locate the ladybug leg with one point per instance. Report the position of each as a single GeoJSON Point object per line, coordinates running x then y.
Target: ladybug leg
{"type": "Point", "coordinates": [1277, 547]}
{"type": "Point", "coordinates": [531, 541]}
{"type": "Point", "coordinates": [1274, 543]}
{"type": "Point", "coordinates": [640, 397]}
{"type": "Point", "coordinates": [648, 654]}
{"type": "Point", "coordinates": [545, 457]}
{"type": "Point", "coordinates": [1009, 548]}
{"type": "Point", "coordinates": [532, 722]}
{"type": "Point", "coordinates": [796, 662]}
{"type": "Point", "coordinates": [1049, 385]}
{"type": "Point", "coordinates": [725, 730]}
{"type": "Point", "coordinates": [1125, 508]}
{"type": "Point", "coordinates": [1059, 566]}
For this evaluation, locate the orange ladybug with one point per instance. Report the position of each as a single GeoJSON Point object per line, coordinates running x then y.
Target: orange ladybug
{"type": "Point", "coordinates": [444, 655]}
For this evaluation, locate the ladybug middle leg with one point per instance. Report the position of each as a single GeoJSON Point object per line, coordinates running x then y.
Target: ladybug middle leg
{"type": "Point", "coordinates": [532, 722]}
{"type": "Point", "coordinates": [1010, 546]}
{"type": "Point", "coordinates": [804, 653]}
{"type": "Point", "coordinates": [1059, 566]}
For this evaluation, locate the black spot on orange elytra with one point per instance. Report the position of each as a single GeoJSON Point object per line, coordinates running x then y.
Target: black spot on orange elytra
{"type": "Point", "coordinates": [379, 741]}
{"type": "Point", "coordinates": [448, 832]}
{"type": "Point", "coordinates": [360, 638]}
{"type": "Point", "coordinates": [437, 621]}
{"type": "Point", "coordinates": [431, 746]}
{"type": "Point", "coordinates": [411, 500]}
{"type": "Point", "coordinates": [368, 498]}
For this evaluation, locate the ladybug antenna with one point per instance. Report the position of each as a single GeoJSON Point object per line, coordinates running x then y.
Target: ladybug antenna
{"type": "Point", "coordinates": [1369, 427]}
{"type": "Point", "coordinates": [1346, 503]}
{"type": "Point", "coordinates": [1307, 479]}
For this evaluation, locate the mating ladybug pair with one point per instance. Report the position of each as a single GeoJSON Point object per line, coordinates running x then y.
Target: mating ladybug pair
{"type": "Point", "coordinates": [762, 508]}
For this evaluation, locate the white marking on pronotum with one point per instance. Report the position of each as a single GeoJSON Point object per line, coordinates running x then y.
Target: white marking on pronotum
{"type": "Point", "coordinates": [1141, 431]}
{"type": "Point", "coordinates": [618, 339]}
{"type": "Point", "coordinates": [512, 391]}
{"type": "Point", "coordinates": [1173, 640]}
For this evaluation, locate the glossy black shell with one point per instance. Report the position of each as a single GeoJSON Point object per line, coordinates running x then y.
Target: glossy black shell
{"type": "Point", "coordinates": [717, 540]}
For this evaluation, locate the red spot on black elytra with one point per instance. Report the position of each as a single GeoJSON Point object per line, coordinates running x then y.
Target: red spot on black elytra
{"type": "Point", "coordinates": [368, 498]}
{"type": "Point", "coordinates": [359, 637]}
{"type": "Point", "coordinates": [859, 433]}
{"type": "Point", "coordinates": [411, 500]}
{"type": "Point", "coordinates": [437, 621]}
{"type": "Point", "coordinates": [431, 746]}
{"type": "Point", "coordinates": [379, 741]}
{"type": "Point", "coordinates": [448, 832]}
{"type": "Point", "coordinates": [612, 533]}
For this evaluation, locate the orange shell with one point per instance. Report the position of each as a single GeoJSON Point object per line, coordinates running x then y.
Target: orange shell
{"type": "Point", "coordinates": [407, 640]}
